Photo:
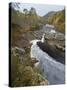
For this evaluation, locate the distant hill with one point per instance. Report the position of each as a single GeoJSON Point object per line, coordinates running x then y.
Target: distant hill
{"type": "Point", "coordinates": [49, 14]}
{"type": "Point", "coordinates": [57, 19]}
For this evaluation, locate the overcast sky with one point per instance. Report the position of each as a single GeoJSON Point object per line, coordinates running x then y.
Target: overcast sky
{"type": "Point", "coordinates": [41, 9]}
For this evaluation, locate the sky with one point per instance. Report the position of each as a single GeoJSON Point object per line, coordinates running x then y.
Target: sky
{"type": "Point", "coordinates": [41, 9]}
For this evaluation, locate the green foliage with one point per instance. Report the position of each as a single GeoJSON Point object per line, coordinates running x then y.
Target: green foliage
{"type": "Point", "coordinates": [32, 11]}
{"type": "Point", "coordinates": [24, 74]}
{"type": "Point", "coordinates": [25, 11]}
{"type": "Point", "coordinates": [24, 19]}
{"type": "Point", "coordinates": [35, 27]}
{"type": "Point", "coordinates": [14, 68]}
{"type": "Point", "coordinates": [57, 19]}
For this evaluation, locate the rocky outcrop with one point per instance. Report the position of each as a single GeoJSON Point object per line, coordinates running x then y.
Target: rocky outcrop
{"type": "Point", "coordinates": [18, 52]}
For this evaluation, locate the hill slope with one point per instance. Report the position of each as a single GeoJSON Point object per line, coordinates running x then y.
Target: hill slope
{"type": "Point", "coordinates": [57, 19]}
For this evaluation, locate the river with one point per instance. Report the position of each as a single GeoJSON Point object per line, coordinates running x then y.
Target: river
{"type": "Point", "coordinates": [54, 70]}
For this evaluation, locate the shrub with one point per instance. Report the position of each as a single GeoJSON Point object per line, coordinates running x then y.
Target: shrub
{"type": "Point", "coordinates": [35, 27]}
{"type": "Point", "coordinates": [24, 74]}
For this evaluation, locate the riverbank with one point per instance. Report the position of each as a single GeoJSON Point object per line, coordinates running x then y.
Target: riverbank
{"type": "Point", "coordinates": [46, 69]}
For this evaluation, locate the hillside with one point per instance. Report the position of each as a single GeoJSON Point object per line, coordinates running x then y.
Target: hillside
{"type": "Point", "coordinates": [57, 19]}
{"type": "Point", "coordinates": [22, 23]}
{"type": "Point", "coordinates": [25, 18]}
{"type": "Point", "coordinates": [48, 15]}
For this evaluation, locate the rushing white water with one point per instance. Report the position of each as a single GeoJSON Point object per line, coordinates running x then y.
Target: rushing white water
{"type": "Point", "coordinates": [55, 71]}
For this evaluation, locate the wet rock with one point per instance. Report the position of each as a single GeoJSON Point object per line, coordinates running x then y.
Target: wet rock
{"type": "Point", "coordinates": [60, 36]}
{"type": "Point", "coordinates": [60, 47]}
{"type": "Point", "coordinates": [33, 61]}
